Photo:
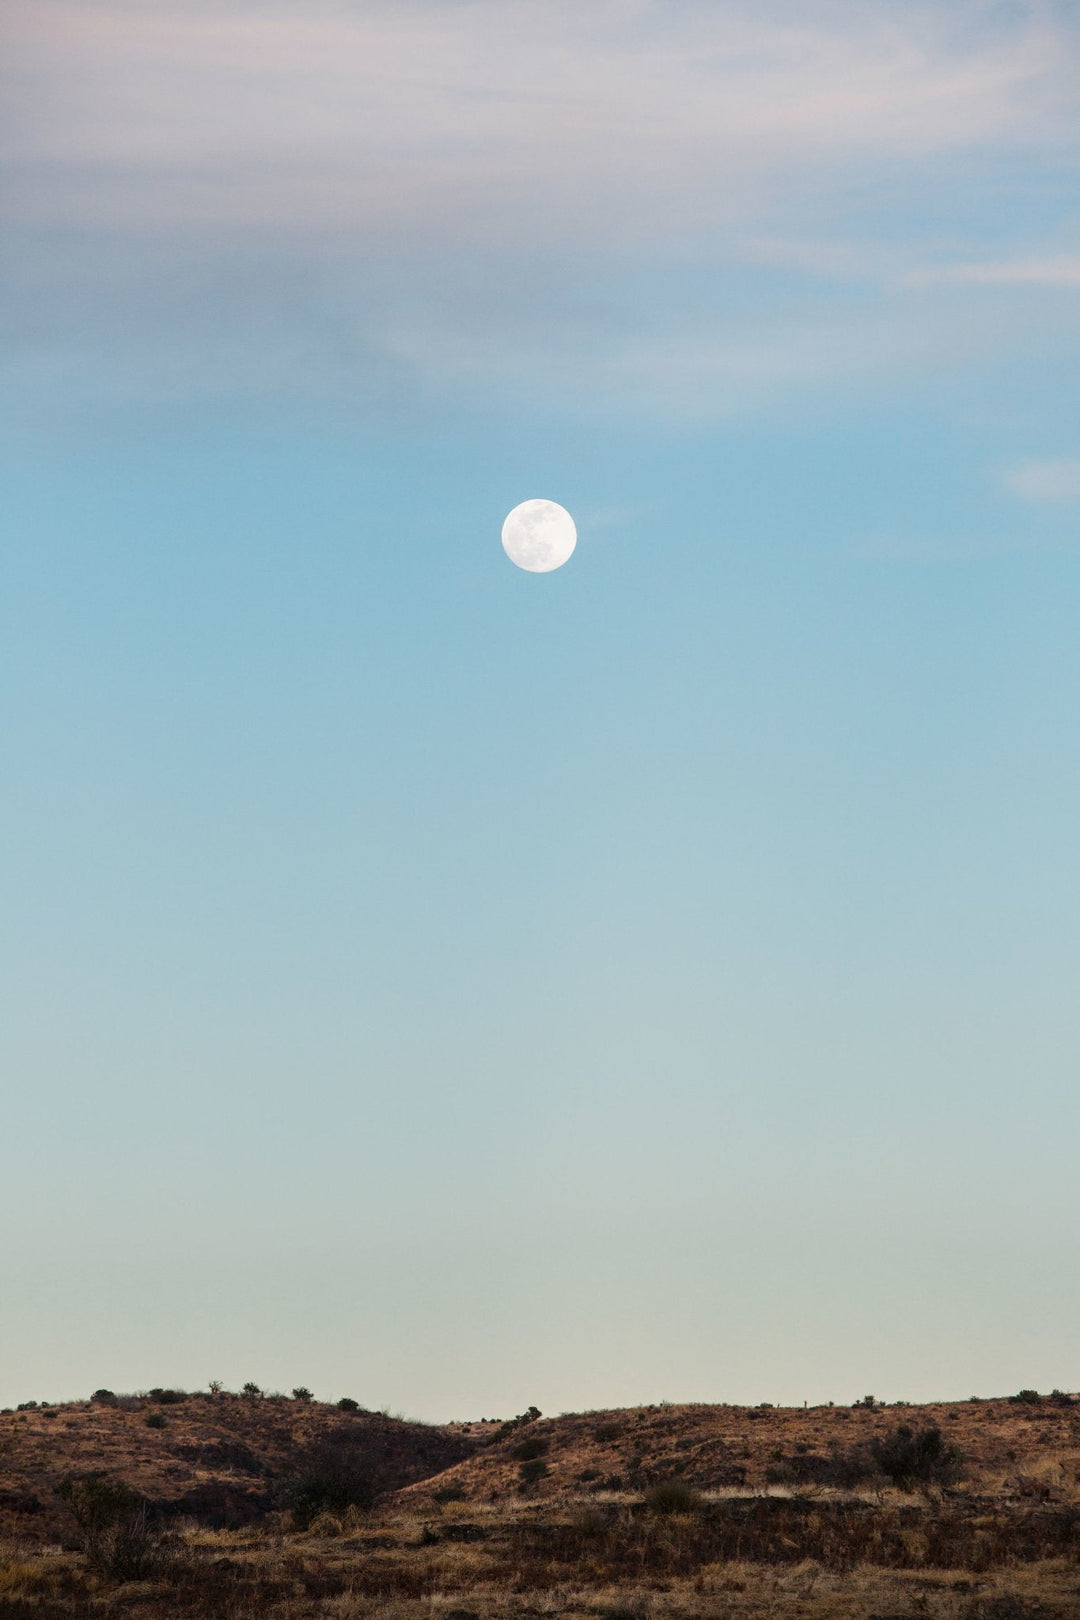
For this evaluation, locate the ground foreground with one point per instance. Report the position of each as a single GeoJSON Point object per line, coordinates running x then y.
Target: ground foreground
{"type": "Point", "coordinates": [220, 1506]}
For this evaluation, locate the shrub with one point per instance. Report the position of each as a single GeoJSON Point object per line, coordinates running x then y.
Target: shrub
{"type": "Point", "coordinates": [168, 1397]}
{"type": "Point", "coordinates": [530, 1415]}
{"type": "Point", "coordinates": [302, 1393]}
{"type": "Point", "coordinates": [673, 1496]}
{"type": "Point", "coordinates": [537, 1445]}
{"type": "Point", "coordinates": [155, 1420]}
{"type": "Point", "coordinates": [449, 1493]}
{"type": "Point", "coordinates": [532, 1471]}
{"type": "Point", "coordinates": [103, 1397]}
{"type": "Point", "coordinates": [114, 1525]}
{"type": "Point", "coordinates": [347, 1404]}
{"type": "Point", "coordinates": [604, 1433]}
{"type": "Point", "coordinates": [916, 1456]}
{"type": "Point", "coordinates": [252, 1391]}
{"type": "Point", "coordinates": [1027, 1397]}
{"type": "Point", "coordinates": [331, 1479]}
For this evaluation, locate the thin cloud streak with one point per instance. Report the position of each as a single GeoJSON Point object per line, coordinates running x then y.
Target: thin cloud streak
{"type": "Point", "coordinates": [1051, 480]}
{"type": "Point", "coordinates": [1060, 270]}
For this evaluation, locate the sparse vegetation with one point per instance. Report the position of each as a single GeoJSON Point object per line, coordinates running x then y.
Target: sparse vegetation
{"type": "Point", "coordinates": [283, 1509]}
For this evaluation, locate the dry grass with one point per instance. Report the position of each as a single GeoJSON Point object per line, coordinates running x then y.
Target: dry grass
{"type": "Point", "coordinates": [590, 1537]}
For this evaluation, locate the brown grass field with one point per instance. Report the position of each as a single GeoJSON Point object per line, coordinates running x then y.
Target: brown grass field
{"type": "Point", "coordinates": [223, 1505]}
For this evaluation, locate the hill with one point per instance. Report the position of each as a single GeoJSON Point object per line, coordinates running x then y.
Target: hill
{"type": "Point", "coordinates": [215, 1504]}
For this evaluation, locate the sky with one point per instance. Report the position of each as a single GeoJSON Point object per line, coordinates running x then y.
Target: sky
{"type": "Point", "coordinates": [459, 988]}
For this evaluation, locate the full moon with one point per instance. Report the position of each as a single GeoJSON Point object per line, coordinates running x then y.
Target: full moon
{"type": "Point", "coordinates": [539, 536]}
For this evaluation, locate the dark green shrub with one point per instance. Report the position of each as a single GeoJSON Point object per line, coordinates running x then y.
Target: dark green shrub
{"type": "Point", "coordinates": [1027, 1397]}
{"type": "Point", "coordinates": [532, 1471]}
{"type": "Point", "coordinates": [673, 1496]}
{"type": "Point", "coordinates": [449, 1493]}
{"type": "Point", "coordinates": [605, 1433]}
{"type": "Point", "coordinates": [347, 1404]}
{"type": "Point", "coordinates": [302, 1393]}
{"type": "Point", "coordinates": [168, 1397]}
{"type": "Point", "coordinates": [156, 1420]}
{"type": "Point", "coordinates": [252, 1391]}
{"type": "Point", "coordinates": [910, 1457]}
{"type": "Point", "coordinates": [103, 1397]}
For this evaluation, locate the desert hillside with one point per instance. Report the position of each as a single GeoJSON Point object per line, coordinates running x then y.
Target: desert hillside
{"type": "Point", "coordinates": [201, 1505]}
{"type": "Point", "coordinates": [221, 1458]}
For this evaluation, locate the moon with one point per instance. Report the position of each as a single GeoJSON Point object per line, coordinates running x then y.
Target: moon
{"type": "Point", "coordinates": [539, 536]}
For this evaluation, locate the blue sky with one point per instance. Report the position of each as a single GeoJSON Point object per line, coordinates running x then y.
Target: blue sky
{"type": "Point", "coordinates": [460, 988]}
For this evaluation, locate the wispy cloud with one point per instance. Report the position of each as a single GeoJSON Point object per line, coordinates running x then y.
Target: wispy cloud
{"type": "Point", "coordinates": [535, 115]}
{"type": "Point", "coordinates": [1052, 480]}
{"type": "Point", "coordinates": [1054, 270]}
{"type": "Point", "coordinates": [364, 197]}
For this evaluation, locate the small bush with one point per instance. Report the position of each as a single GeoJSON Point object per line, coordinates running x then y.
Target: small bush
{"type": "Point", "coordinates": [673, 1496]}
{"type": "Point", "coordinates": [347, 1404]}
{"type": "Point", "coordinates": [115, 1529]}
{"type": "Point", "coordinates": [449, 1493]}
{"type": "Point", "coordinates": [155, 1420]}
{"type": "Point", "coordinates": [909, 1457]}
{"type": "Point", "coordinates": [302, 1393]}
{"type": "Point", "coordinates": [168, 1397]}
{"type": "Point", "coordinates": [252, 1391]}
{"type": "Point", "coordinates": [103, 1397]}
{"type": "Point", "coordinates": [605, 1433]}
{"type": "Point", "coordinates": [1027, 1397]}
{"type": "Point", "coordinates": [537, 1445]}
{"type": "Point", "coordinates": [331, 1479]}
{"type": "Point", "coordinates": [532, 1471]}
